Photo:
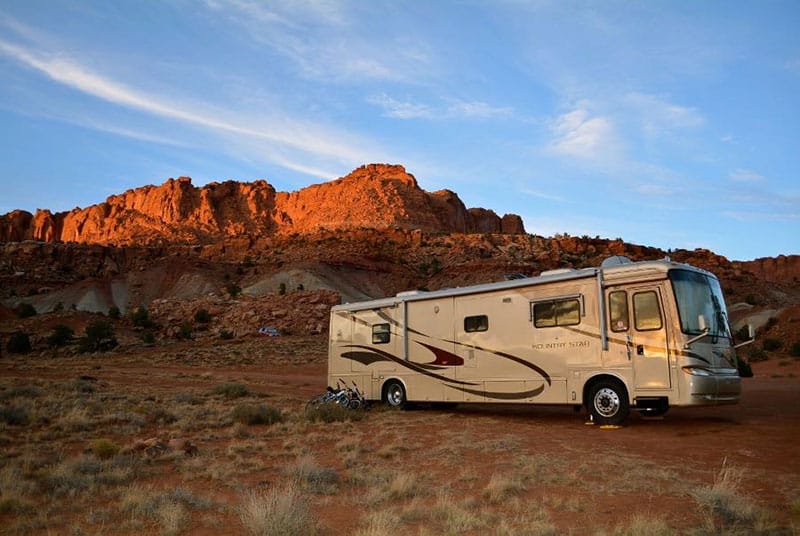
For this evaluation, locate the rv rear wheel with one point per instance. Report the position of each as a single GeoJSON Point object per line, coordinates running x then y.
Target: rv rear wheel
{"type": "Point", "coordinates": [394, 394]}
{"type": "Point", "coordinates": [608, 402]}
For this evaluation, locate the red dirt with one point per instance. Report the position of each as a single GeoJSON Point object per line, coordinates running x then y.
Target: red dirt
{"type": "Point", "coordinates": [759, 435]}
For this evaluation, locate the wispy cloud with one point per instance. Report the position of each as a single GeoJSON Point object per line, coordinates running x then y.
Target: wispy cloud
{"type": "Point", "coordinates": [319, 39]}
{"type": "Point", "coordinates": [456, 109]}
{"type": "Point", "coordinates": [745, 175]}
{"type": "Point", "coordinates": [580, 134]}
{"type": "Point", "coordinates": [478, 110]}
{"type": "Point", "coordinates": [744, 215]}
{"type": "Point", "coordinates": [398, 109]}
{"type": "Point", "coordinates": [285, 132]}
{"type": "Point", "coordinates": [658, 115]}
{"type": "Point", "coordinates": [541, 195]}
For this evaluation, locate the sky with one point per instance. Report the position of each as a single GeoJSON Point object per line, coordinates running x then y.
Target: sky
{"type": "Point", "coordinates": [673, 124]}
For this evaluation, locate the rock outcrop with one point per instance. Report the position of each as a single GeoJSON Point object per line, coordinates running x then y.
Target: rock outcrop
{"type": "Point", "coordinates": [374, 196]}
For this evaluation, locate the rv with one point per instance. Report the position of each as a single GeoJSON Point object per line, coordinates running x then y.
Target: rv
{"type": "Point", "coordinates": [624, 336]}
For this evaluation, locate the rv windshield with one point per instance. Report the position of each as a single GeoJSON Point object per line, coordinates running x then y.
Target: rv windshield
{"type": "Point", "coordinates": [699, 296]}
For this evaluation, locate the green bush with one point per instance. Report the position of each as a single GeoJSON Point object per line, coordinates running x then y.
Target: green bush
{"type": "Point", "coordinates": [14, 415]}
{"type": "Point", "coordinates": [282, 289]}
{"type": "Point", "coordinates": [232, 390]}
{"type": "Point", "coordinates": [225, 335]}
{"type": "Point", "coordinates": [202, 316]}
{"type": "Point", "coordinates": [99, 337]}
{"type": "Point", "coordinates": [18, 343]}
{"type": "Point", "coordinates": [140, 318]}
{"type": "Point", "coordinates": [186, 331]}
{"type": "Point", "coordinates": [148, 337]}
{"type": "Point", "coordinates": [233, 289]}
{"type": "Point", "coordinates": [771, 344]}
{"type": "Point", "coordinates": [794, 349]}
{"type": "Point", "coordinates": [25, 310]}
{"type": "Point", "coordinates": [114, 312]}
{"type": "Point", "coordinates": [757, 354]}
{"type": "Point", "coordinates": [61, 336]}
{"type": "Point", "coordinates": [103, 449]}
{"type": "Point", "coordinates": [256, 414]}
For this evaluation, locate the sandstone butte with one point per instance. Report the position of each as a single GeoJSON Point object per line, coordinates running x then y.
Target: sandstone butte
{"type": "Point", "coordinates": [372, 196]}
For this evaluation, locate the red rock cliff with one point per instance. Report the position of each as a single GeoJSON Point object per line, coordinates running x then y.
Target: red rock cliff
{"type": "Point", "coordinates": [372, 196]}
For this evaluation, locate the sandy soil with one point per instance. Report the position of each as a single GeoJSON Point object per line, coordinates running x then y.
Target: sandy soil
{"type": "Point", "coordinates": [759, 436]}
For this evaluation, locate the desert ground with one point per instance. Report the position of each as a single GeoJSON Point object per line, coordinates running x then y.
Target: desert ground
{"type": "Point", "coordinates": [247, 459]}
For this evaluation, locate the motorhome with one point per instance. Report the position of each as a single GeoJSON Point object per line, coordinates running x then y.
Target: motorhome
{"type": "Point", "coordinates": [623, 336]}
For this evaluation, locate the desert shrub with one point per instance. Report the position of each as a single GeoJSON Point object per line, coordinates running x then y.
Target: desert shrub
{"type": "Point", "coordinates": [148, 337]}
{"type": "Point", "coordinates": [225, 334]}
{"type": "Point", "coordinates": [99, 337]}
{"type": "Point", "coordinates": [61, 336]}
{"type": "Point", "coordinates": [186, 331]}
{"type": "Point", "coordinates": [114, 312]}
{"type": "Point", "coordinates": [329, 413]}
{"type": "Point", "coordinates": [745, 370]}
{"type": "Point", "coordinates": [256, 414]}
{"type": "Point", "coordinates": [723, 502]}
{"type": "Point", "coordinates": [771, 344]}
{"type": "Point", "coordinates": [202, 316]}
{"type": "Point", "coordinates": [300, 287]}
{"type": "Point", "coordinates": [18, 343]}
{"type": "Point", "coordinates": [233, 289]}
{"type": "Point", "coordinates": [25, 310]}
{"type": "Point", "coordinates": [104, 449]}
{"type": "Point", "coordinates": [277, 511]}
{"type": "Point", "coordinates": [140, 318]}
{"type": "Point", "coordinates": [14, 415]}
{"type": "Point", "coordinates": [313, 477]}
{"type": "Point", "coordinates": [751, 299]}
{"type": "Point", "coordinates": [282, 289]}
{"type": "Point", "coordinates": [757, 354]}
{"type": "Point", "coordinates": [794, 349]}
{"type": "Point", "coordinates": [232, 390]}
{"type": "Point", "coordinates": [58, 307]}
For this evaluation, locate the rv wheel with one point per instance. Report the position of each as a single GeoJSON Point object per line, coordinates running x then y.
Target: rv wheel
{"type": "Point", "coordinates": [608, 402]}
{"type": "Point", "coordinates": [394, 394]}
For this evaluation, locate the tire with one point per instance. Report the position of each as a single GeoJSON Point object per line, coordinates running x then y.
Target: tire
{"type": "Point", "coordinates": [394, 394]}
{"type": "Point", "coordinates": [608, 402]}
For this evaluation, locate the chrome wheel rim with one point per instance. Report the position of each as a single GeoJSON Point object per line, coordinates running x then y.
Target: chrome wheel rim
{"type": "Point", "coordinates": [395, 395]}
{"type": "Point", "coordinates": [606, 402]}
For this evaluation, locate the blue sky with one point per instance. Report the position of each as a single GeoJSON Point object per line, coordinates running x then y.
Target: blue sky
{"type": "Point", "coordinates": [673, 124]}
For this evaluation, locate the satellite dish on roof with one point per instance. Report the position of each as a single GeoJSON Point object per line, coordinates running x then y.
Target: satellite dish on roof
{"type": "Point", "coordinates": [616, 260]}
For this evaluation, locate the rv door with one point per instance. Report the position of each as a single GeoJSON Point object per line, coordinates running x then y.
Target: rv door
{"type": "Point", "coordinates": [647, 339]}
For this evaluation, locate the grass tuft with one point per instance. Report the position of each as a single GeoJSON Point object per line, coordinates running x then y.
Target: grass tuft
{"type": "Point", "coordinates": [232, 390]}
{"type": "Point", "coordinates": [277, 511]}
{"type": "Point", "coordinates": [251, 414]}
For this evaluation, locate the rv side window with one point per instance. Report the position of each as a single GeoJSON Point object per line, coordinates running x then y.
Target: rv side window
{"type": "Point", "coordinates": [646, 313]}
{"type": "Point", "coordinates": [380, 334]}
{"type": "Point", "coordinates": [556, 313]}
{"type": "Point", "coordinates": [618, 310]}
{"type": "Point", "coordinates": [476, 323]}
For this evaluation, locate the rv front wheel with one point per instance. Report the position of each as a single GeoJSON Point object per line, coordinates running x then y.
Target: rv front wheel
{"type": "Point", "coordinates": [608, 402]}
{"type": "Point", "coordinates": [395, 394]}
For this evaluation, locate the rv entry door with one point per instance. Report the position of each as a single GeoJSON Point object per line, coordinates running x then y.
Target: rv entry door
{"type": "Point", "coordinates": [647, 342]}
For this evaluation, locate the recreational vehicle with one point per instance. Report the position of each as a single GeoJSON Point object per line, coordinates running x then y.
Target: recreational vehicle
{"type": "Point", "coordinates": [624, 336]}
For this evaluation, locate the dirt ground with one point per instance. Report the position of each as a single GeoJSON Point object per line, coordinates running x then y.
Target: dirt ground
{"type": "Point", "coordinates": [516, 470]}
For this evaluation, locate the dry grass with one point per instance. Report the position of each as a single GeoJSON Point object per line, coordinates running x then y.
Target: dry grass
{"type": "Point", "coordinates": [66, 464]}
{"type": "Point", "coordinates": [277, 511]}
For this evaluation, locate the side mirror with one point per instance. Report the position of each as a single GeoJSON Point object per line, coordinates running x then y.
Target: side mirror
{"type": "Point", "coordinates": [751, 332]}
{"type": "Point", "coordinates": [701, 322]}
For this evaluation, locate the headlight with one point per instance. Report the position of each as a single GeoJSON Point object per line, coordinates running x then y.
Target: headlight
{"type": "Point", "coordinates": [696, 371]}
